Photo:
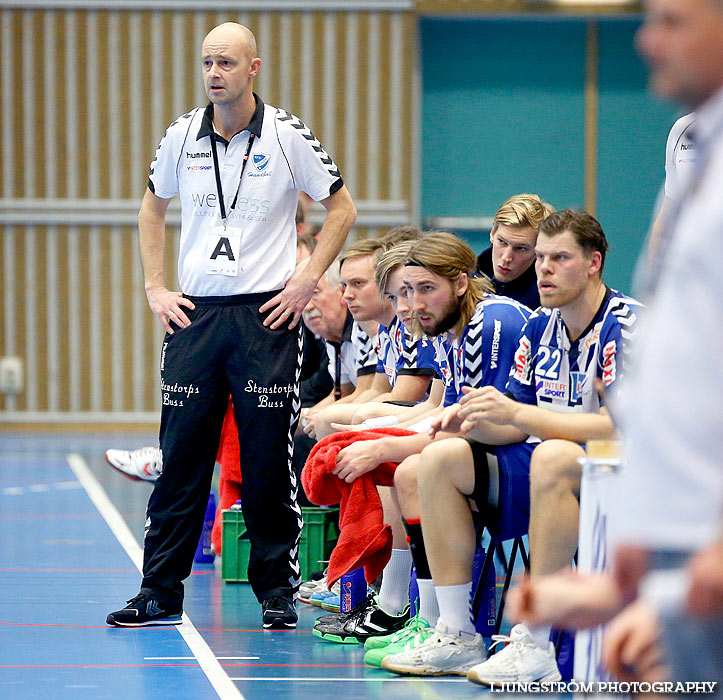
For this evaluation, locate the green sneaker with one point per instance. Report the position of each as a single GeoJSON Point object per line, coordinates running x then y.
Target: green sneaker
{"type": "Point", "coordinates": [410, 637]}
{"type": "Point", "coordinates": [408, 630]}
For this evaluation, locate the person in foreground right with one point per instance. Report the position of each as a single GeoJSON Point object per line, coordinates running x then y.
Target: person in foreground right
{"type": "Point", "coordinates": [668, 519]}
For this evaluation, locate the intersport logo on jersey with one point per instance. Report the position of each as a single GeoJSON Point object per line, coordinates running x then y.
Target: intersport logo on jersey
{"type": "Point", "coordinates": [554, 390]}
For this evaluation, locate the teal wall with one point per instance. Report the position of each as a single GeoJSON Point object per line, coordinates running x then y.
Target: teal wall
{"type": "Point", "coordinates": [632, 131]}
{"type": "Point", "coordinates": [503, 109]}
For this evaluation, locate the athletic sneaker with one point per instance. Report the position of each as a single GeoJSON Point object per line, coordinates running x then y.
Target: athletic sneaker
{"type": "Point", "coordinates": [332, 603]}
{"type": "Point", "coordinates": [319, 597]}
{"type": "Point", "coordinates": [367, 620]}
{"type": "Point", "coordinates": [521, 661]}
{"type": "Point", "coordinates": [143, 464]}
{"type": "Point", "coordinates": [144, 610]}
{"type": "Point", "coordinates": [440, 654]}
{"type": "Point", "coordinates": [308, 588]}
{"type": "Point", "coordinates": [339, 617]}
{"type": "Point", "coordinates": [412, 635]}
{"type": "Point", "coordinates": [387, 639]}
{"type": "Point", "coordinates": [278, 613]}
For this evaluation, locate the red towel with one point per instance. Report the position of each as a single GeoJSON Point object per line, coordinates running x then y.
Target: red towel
{"type": "Point", "coordinates": [364, 539]}
{"type": "Point", "coordinates": [229, 483]}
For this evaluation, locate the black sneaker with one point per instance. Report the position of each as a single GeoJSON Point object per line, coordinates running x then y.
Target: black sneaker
{"type": "Point", "coordinates": [368, 621]}
{"type": "Point", "coordinates": [278, 613]}
{"type": "Point", "coordinates": [342, 617]}
{"type": "Point", "coordinates": [144, 610]}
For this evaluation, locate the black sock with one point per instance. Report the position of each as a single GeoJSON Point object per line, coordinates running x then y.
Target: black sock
{"type": "Point", "coordinates": [416, 545]}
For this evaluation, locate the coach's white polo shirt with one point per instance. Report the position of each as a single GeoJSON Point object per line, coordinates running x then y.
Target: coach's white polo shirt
{"type": "Point", "coordinates": [284, 158]}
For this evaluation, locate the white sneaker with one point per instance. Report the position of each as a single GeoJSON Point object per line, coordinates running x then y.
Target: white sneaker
{"type": "Point", "coordinates": [440, 654]}
{"type": "Point", "coordinates": [307, 588]}
{"type": "Point", "coordinates": [143, 464]}
{"type": "Point", "coordinates": [521, 661]}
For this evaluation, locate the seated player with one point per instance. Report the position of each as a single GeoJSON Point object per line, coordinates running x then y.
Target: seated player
{"type": "Point", "coordinates": [510, 261]}
{"type": "Point", "coordinates": [352, 360]}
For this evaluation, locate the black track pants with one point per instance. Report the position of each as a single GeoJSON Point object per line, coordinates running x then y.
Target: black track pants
{"type": "Point", "coordinates": [226, 349]}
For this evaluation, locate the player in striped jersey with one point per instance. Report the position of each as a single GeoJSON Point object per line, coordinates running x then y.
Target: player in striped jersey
{"type": "Point", "coordinates": [581, 336]}
{"type": "Point", "coordinates": [559, 373]}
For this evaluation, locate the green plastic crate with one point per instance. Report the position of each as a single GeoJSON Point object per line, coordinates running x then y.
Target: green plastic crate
{"type": "Point", "coordinates": [318, 538]}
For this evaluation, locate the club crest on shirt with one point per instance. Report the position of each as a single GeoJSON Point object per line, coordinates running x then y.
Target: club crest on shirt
{"type": "Point", "coordinates": [260, 161]}
{"type": "Point", "coordinates": [579, 385]}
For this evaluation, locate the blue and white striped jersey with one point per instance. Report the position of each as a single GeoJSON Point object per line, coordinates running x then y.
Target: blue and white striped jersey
{"type": "Point", "coordinates": [485, 351]}
{"type": "Point", "coordinates": [440, 348]}
{"type": "Point", "coordinates": [554, 372]}
{"type": "Point", "coordinates": [399, 353]}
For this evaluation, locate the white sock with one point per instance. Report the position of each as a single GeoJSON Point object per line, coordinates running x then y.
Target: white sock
{"type": "Point", "coordinates": [540, 635]}
{"type": "Point", "coordinates": [454, 607]}
{"type": "Point", "coordinates": [394, 592]}
{"type": "Point", "coordinates": [428, 608]}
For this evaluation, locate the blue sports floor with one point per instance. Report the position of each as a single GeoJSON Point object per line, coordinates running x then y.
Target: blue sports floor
{"type": "Point", "coordinates": [69, 533]}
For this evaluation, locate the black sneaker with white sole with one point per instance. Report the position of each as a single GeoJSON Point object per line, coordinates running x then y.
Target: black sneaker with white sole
{"type": "Point", "coordinates": [366, 621]}
{"type": "Point", "coordinates": [278, 613]}
{"type": "Point", "coordinates": [145, 610]}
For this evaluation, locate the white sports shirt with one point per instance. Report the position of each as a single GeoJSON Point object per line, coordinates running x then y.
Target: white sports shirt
{"type": "Point", "coordinates": [285, 157]}
{"type": "Point", "coordinates": [673, 484]}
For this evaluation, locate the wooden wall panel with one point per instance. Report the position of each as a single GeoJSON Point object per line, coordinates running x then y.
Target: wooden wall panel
{"type": "Point", "coordinates": [86, 96]}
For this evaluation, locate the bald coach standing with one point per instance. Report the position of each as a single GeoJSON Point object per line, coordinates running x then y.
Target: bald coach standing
{"type": "Point", "coordinates": [237, 166]}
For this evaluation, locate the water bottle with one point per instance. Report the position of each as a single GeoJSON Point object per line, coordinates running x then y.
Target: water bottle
{"type": "Point", "coordinates": [484, 592]}
{"type": "Point", "coordinates": [413, 593]}
{"type": "Point", "coordinates": [204, 555]}
{"type": "Point", "coordinates": [353, 590]}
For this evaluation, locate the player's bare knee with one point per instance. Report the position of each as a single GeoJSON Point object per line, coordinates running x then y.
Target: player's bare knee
{"type": "Point", "coordinates": [554, 466]}
{"type": "Point", "coordinates": [405, 476]}
{"type": "Point", "coordinates": [439, 459]}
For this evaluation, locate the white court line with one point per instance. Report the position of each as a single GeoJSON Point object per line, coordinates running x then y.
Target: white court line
{"type": "Point", "coordinates": [185, 658]}
{"type": "Point", "coordinates": [218, 678]}
{"type": "Point", "coordinates": [424, 680]}
{"type": "Point", "coordinates": [39, 488]}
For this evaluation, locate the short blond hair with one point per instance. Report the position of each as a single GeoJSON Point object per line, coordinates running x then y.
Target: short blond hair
{"type": "Point", "coordinates": [521, 211]}
{"type": "Point", "coordinates": [362, 248]}
{"type": "Point", "coordinates": [446, 255]}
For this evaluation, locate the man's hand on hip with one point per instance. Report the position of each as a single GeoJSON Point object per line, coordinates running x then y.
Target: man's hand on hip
{"type": "Point", "coordinates": [290, 303]}
{"type": "Point", "coordinates": [167, 306]}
